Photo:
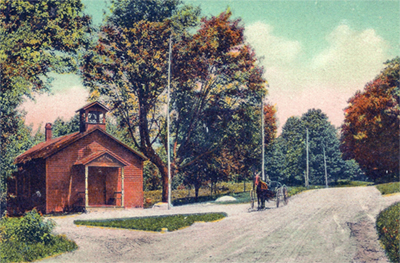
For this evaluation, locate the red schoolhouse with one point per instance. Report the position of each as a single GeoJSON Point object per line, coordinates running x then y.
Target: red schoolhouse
{"type": "Point", "coordinates": [86, 169]}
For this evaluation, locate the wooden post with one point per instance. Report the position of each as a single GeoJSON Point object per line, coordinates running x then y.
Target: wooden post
{"type": "Point", "coordinates": [86, 186]}
{"type": "Point", "coordinates": [122, 186]}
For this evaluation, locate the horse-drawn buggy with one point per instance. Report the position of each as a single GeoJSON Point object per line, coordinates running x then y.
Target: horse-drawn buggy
{"type": "Point", "coordinates": [268, 191]}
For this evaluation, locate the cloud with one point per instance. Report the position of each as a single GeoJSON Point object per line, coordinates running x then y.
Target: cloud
{"type": "Point", "coordinates": [280, 51]}
{"type": "Point", "coordinates": [351, 56]}
{"type": "Point", "coordinates": [47, 107]}
{"type": "Point", "coordinates": [326, 80]}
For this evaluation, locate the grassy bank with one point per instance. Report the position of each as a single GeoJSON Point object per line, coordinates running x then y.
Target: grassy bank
{"type": "Point", "coordinates": [29, 238]}
{"type": "Point", "coordinates": [154, 223]}
{"type": "Point", "coordinates": [388, 226]}
{"type": "Point", "coordinates": [389, 188]}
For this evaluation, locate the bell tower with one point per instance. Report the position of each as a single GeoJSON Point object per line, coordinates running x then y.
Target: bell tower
{"type": "Point", "coordinates": [92, 115]}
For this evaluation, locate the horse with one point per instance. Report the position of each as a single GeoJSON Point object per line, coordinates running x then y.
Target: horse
{"type": "Point", "coordinates": [262, 191]}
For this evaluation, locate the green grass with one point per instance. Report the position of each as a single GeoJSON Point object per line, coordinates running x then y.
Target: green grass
{"type": "Point", "coordinates": [389, 188]}
{"type": "Point", "coordinates": [14, 251]}
{"type": "Point", "coordinates": [184, 196]}
{"type": "Point", "coordinates": [293, 190]}
{"type": "Point", "coordinates": [348, 183]}
{"type": "Point", "coordinates": [154, 223]}
{"type": "Point", "coordinates": [388, 226]}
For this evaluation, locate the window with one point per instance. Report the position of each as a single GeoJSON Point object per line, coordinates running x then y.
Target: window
{"type": "Point", "coordinates": [93, 117]}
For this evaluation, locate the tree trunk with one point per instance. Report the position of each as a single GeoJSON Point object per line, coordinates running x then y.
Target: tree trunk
{"type": "Point", "coordinates": [196, 190]}
{"type": "Point", "coordinates": [162, 167]}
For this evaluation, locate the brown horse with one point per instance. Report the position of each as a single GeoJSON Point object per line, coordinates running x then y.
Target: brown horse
{"type": "Point", "coordinates": [263, 193]}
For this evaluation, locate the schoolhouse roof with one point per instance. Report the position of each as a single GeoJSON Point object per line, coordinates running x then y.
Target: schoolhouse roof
{"type": "Point", "coordinates": [45, 149]}
{"type": "Point", "coordinates": [90, 105]}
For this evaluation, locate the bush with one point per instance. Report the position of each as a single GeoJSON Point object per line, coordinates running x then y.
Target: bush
{"type": "Point", "coordinates": [389, 188]}
{"type": "Point", "coordinates": [28, 229]}
{"type": "Point", "coordinates": [388, 226]}
{"type": "Point", "coordinates": [29, 238]}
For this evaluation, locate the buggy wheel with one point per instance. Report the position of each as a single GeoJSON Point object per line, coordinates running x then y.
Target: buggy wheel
{"type": "Point", "coordinates": [277, 199]}
{"type": "Point", "coordinates": [252, 199]}
{"type": "Point", "coordinates": [285, 196]}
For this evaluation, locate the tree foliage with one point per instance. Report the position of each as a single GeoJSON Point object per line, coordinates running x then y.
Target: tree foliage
{"type": "Point", "coordinates": [286, 156]}
{"type": "Point", "coordinates": [36, 37]}
{"type": "Point", "coordinates": [214, 77]}
{"type": "Point", "coordinates": [370, 133]}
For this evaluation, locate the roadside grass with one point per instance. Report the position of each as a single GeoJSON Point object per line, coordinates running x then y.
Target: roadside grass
{"type": "Point", "coordinates": [29, 238]}
{"type": "Point", "coordinates": [238, 190]}
{"type": "Point", "coordinates": [389, 188]}
{"type": "Point", "coordinates": [154, 223]}
{"type": "Point", "coordinates": [293, 190]}
{"type": "Point", "coordinates": [388, 226]}
{"type": "Point", "coordinates": [187, 196]}
{"type": "Point", "coordinates": [348, 183]}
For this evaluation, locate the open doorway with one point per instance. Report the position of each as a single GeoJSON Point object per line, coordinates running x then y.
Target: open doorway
{"type": "Point", "coordinates": [103, 186]}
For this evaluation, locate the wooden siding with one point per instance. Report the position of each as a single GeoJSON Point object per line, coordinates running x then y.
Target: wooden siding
{"type": "Point", "coordinates": [61, 171]}
{"type": "Point", "coordinates": [28, 188]}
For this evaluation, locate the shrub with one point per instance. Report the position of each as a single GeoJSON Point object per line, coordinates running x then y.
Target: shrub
{"type": "Point", "coordinates": [28, 229]}
{"type": "Point", "coordinates": [29, 238]}
{"type": "Point", "coordinates": [388, 226]}
{"type": "Point", "coordinates": [389, 188]}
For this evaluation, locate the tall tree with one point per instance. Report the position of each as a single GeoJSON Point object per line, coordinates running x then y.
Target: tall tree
{"type": "Point", "coordinates": [214, 72]}
{"type": "Point", "coordinates": [323, 137]}
{"type": "Point", "coordinates": [293, 147]}
{"type": "Point", "coordinates": [370, 133]}
{"type": "Point", "coordinates": [286, 157]}
{"type": "Point", "coordinates": [36, 37]}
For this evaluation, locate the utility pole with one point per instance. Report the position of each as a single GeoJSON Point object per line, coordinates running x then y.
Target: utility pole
{"type": "Point", "coordinates": [262, 138]}
{"type": "Point", "coordinates": [326, 173]}
{"type": "Point", "coordinates": [308, 170]}
{"type": "Point", "coordinates": [168, 144]}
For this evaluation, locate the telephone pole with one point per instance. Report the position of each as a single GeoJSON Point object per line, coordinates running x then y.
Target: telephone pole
{"type": "Point", "coordinates": [262, 138]}
{"type": "Point", "coordinates": [326, 173]}
{"type": "Point", "coordinates": [168, 100]}
{"type": "Point", "coordinates": [308, 170]}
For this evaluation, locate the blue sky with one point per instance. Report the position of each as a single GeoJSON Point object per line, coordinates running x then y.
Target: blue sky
{"type": "Point", "coordinates": [316, 54]}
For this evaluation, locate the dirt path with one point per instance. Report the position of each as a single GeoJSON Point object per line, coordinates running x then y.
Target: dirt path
{"type": "Point", "coordinates": [329, 225]}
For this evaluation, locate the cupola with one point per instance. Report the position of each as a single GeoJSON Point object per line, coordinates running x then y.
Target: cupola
{"type": "Point", "coordinates": [92, 115]}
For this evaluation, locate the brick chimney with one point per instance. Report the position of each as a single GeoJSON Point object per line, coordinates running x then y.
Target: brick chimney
{"type": "Point", "coordinates": [48, 132]}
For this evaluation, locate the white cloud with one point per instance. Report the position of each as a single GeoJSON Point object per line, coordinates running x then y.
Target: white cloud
{"type": "Point", "coordinates": [351, 57]}
{"type": "Point", "coordinates": [327, 80]}
{"type": "Point", "coordinates": [276, 50]}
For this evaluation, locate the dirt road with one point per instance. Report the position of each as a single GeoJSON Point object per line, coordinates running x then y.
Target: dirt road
{"type": "Point", "coordinates": [329, 225]}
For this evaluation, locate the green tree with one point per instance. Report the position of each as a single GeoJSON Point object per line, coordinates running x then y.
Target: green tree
{"type": "Point", "coordinates": [370, 133]}
{"type": "Point", "coordinates": [36, 37]}
{"type": "Point", "coordinates": [323, 136]}
{"type": "Point", "coordinates": [213, 73]}
{"type": "Point", "coordinates": [293, 147]}
{"type": "Point", "coordinates": [286, 157]}
{"type": "Point", "coordinates": [62, 127]}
